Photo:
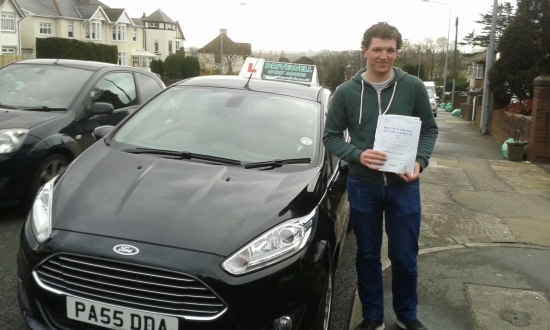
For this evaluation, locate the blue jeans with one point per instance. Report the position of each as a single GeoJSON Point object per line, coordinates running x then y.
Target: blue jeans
{"type": "Point", "coordinates": [400, 205]}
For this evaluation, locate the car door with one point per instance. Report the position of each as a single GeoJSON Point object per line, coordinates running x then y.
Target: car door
{"type": "Point", "coordinates": [116, 88]}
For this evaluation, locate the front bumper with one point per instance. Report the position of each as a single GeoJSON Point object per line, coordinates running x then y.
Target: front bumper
{"type": "Point", "coordinates": [291, 288]}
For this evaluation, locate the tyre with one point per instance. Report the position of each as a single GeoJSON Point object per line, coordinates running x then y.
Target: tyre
{"type": "Point", "coordinates": [323, 316]}
{"type": "Point", "coordinates": [435, 113]}
{"type": "Point", "coordinates": [46, 170]}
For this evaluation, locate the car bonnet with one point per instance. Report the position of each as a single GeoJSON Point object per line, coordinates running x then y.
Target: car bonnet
{"type": "Point", "coordinates": [24, 119]}
{"type": "Point", "coordinates": [189, 205]}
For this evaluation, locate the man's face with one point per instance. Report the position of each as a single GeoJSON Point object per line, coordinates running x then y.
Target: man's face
{"type": "Point", "coordinates": [380, 55]}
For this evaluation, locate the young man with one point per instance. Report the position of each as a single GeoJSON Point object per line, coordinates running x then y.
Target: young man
{"type": "Point", "coordinates": [375, 195]}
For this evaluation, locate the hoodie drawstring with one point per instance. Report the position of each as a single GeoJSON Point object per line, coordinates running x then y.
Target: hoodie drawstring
{"type": "Point", "coordinates": [391, 99]}
{"type": "Point", "coordinates": [361, 106]}
{"type": "Point", "coordinates": [361, 102]}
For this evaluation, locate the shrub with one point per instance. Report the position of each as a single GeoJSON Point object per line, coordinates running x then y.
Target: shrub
{"type": "Point", "coordinates": [75, 50]}
{"type": "Point", "coordinates": [191, 67]}
{"type": "Point", "coordinates": [157, 67]}
{"type": "Point", "coordinates": [173, 66]}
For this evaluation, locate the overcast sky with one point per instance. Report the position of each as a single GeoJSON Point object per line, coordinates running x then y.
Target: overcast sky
{"type": "Point", "coordinates": [303, 25]}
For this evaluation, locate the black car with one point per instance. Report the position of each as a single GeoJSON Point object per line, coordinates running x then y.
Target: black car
{"type": "Point", "coordinates": [213, 206]}
{"type": "Point", "coordinates": [48, 110]}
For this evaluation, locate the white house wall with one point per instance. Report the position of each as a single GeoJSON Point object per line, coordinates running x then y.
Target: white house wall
{"type": "Point", "coordinates": [163, 36]}
{"type": "Point", "coordinates": [10, 39]}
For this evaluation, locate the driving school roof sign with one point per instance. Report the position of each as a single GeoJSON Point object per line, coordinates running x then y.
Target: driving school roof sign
{"type": "Point", "coordinates": [260, 68]}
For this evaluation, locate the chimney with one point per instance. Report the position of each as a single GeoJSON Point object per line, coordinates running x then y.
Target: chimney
{"type": "Point", "coordinates": [143, 17]}
{"type": "Point", "coordinates": [223, 31]}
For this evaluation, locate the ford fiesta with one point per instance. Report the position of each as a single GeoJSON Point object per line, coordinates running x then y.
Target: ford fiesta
{"type": "Point", "coordinates": [213, 206]}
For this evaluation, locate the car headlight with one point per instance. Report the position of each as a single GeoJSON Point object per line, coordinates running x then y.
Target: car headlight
{"type": "Point", "coordinates": [12, 139]}
{"type": "Point", "coordinates": [276, 244]}
{"type": "Point", "coordinates": [42, 212]}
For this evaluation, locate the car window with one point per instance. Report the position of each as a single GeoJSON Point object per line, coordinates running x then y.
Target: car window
{"type": "Point", "coordinates": [148, 87]}
{"type": "Point", "coordinates": [244, 125]}
{"type": "Point", "coordinates": [117, 89]}
{"type": "Point", "coordinates": [31, 85]}
{"type": "Point", "coordinates": [430, 93]}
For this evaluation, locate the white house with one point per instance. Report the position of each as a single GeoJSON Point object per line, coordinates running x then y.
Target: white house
{"type": "Point", "coordinates": [224, 55]}
{"type": "Point", "coordinates": [84, 20]}
{"type": "Point", "coordinates": [10, 18]}
{"type": "Point", "coordinates": [162, 35]}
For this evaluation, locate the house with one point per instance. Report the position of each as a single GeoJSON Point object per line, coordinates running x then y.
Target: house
{"type": "Point", "coordinates": [10, 18]}
{"type": "Point", "coordinates": [162, 36]}
{"type": "Point", "coordinates": [224, 54]}
{"type": "Point", "coordinates": [85, 20]}
{"type": "Point", "coordinates": [476, 69]}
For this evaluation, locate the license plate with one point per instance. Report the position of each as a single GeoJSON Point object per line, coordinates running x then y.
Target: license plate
{"type": "Point", "coordinates": [114, 317]}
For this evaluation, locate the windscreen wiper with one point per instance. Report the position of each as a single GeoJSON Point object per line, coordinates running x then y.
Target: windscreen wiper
{"type": "Point", "coordinates": [44, 108]}
{"type": "Point", "coordinates": [182, 155]}
{"type": "Point", "coordinates": [278, 162]}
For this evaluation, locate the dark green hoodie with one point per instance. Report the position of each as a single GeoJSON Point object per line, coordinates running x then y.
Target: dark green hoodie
{"type": "Point", "coordinates": [409, 98]}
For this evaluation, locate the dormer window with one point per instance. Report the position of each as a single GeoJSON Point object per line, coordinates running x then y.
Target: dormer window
{"type": "Point", "coordinates": [153, 25]}
{"type": "Point", "coordinates": [119, 32]}
{"type": "Point", "coordinates": [93, 30]}
{"type": "Point", "coordinates": [8, 22]}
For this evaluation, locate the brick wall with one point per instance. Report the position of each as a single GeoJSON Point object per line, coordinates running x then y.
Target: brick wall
{"type": "Point", "coordinates": [539, 145]}
{"type": "Point", "coordinates": [535, 128]}
{"type": "Point", "coordinates": [503, 125]}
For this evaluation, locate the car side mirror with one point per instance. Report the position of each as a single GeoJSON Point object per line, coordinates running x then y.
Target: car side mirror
{"type": "Point", "coordinates": [101, 131]}
{"type": "Point", "coordinates": [101, 108]}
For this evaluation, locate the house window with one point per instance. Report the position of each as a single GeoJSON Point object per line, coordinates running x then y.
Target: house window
{"type": "Point", "coordinates": [169, 46]}
{"type": "Point", "coordinates": [135, 62]}
{"type": "Point", "coordinates": [119, 32]}
{"type": "Point", "coordinates": [93, 31]}
{"type": "Point", "coordinates": [476, 71]}
{"type": "Point", "coordinates": [8, 22]}
{"type": "Point", "coordinates": [168, 26]}
{"type": "Point", "coordinates": [153, 25]}
{"type": "Point", "coordinates": [46, 28]}
{"type": "Point", "coordinates": [156, 46]}
{"type": "Point", "coordinates": [8, 51]}
{"type": "Point", "coordinates": [121, 58]}
{"type": "Point", "coordinates": [134, 36]}
{"type": "Point", "coordinates": [70, 30]}
{"type": "Point", "coordinates": [177, 45]}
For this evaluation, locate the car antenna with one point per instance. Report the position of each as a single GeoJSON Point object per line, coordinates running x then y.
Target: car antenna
{"type": "Point", "coordinates": [65, 53]}
{"type": "Point", "coordinates": [248, 81]}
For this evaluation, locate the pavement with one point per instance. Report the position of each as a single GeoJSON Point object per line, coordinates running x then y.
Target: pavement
{"type": "Point", "coordinates": [485, 238]}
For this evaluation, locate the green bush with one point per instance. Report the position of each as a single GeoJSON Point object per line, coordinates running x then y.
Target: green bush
{"type": "Point", "coordinates": [191, 67]}
{"type": "Point", "coordinates": [75, 50]}
{"type": "Point", "coordinates": [173, 66]}
{"type": "Point", "coordinates": [157, 67]}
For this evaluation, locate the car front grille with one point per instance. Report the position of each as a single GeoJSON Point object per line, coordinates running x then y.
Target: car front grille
{"type": "Point", "coordinates": [130, 286]}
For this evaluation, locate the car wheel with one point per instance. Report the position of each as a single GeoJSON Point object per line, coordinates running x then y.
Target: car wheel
{"type": "Point", "coordinates": [47, 170]}
{"type": "Point", "coordinates": [435, 113]}
{"type": "Point", "coordinates": [323, 316]}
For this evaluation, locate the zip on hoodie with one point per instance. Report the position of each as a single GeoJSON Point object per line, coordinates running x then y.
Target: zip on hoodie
{"type": "Point", "coordinates": [379, 111]}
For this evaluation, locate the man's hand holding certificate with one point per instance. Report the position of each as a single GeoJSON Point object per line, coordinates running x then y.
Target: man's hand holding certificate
{"type": "Point", "coordinates": [397, 137]}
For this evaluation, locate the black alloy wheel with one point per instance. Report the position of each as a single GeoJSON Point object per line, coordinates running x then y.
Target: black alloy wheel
{"type": "Point", "coordinates": [50, 167]}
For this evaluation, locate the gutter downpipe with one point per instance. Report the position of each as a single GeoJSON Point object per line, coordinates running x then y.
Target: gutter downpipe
{"type": "Point", "coordinates": [485, 108]}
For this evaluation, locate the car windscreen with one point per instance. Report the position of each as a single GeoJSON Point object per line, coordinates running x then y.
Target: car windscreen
{"type": "Point", "coordinates": [243, 125]}
{"type": "Point", "coordinates": [35, 85]}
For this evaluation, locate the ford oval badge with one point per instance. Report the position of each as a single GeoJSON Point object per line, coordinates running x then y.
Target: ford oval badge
{"type": "Point", "coordinates": [125, 249]}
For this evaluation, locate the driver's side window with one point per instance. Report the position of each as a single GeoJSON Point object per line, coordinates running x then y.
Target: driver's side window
{"type": "Point", "coordinates": [118, 89]}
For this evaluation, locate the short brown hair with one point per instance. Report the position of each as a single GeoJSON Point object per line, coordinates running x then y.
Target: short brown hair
{"type": "Point", "coordinates": [382, 30]}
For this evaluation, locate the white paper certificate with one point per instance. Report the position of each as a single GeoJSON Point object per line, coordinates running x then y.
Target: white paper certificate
{"type": "Point", "coordinates": [397, 137]}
